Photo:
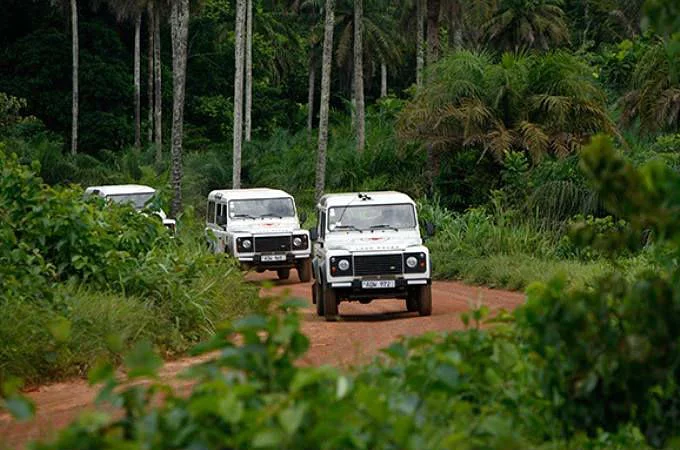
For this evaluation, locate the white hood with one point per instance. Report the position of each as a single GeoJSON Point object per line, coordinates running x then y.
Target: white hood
{"type": "Point", "coordinates": [384, 240]}
{"type": "Point", "coordinates": [265, 226]}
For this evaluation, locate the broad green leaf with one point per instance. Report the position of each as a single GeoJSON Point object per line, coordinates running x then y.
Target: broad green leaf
{"type": "Point", "coordinates": [19, 407]}
{"type": "Point", "coordinates": [142, 361]}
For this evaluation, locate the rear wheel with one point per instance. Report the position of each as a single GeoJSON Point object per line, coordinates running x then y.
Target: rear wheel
{"type": "Point", "coordinates": [283, 274]}
{"type": "Point", "coordinates": [304, 269]}
{"type": "Point", "coordinates": [330, 303]}
{"type": "Point", "coordinates": [316, 298]}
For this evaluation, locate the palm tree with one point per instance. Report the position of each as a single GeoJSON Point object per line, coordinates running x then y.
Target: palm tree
{"type": "Point", "coordinates": [421, 8]}
{"type": "Point", "coordinates": [150, 67]}
{"type": "Point", "coordinates": [537, 104]}
{"type": "Point", "coordinates": [238, 91]}
{"type": "Point", "coordinates": [433, 15]}
{"type": "Point", "coordinates": [360, 116]}
{"type": "Point", "coordinates": [249, 70]}
{"type": "Point", "coordinates": [179, 27]}
{"type": "Point", "coordinates": [72, 7]}
{"type": "Point", "coordinates": [381, 39]}
{"type": "Point", "coordinates": [158, 76]}
{"type": "Point", "coordinates": [74, 98]}
{"type": "Point", "coordinates": [655, 97]}
{"type": "Point", "coordinates": [522, 24]}
{"type": "Point", "coordinates": [125, 10]}
{"type": "Point", "coordinates": [326, 62]}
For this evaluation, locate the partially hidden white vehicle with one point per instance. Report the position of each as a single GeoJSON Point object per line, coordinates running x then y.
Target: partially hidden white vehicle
{"type": "Point", "coordinates": [138, 195]}
{"type": "Point", "coordinates": [368, 246]}
{"type": "Point", "coordinates": [260, 228]}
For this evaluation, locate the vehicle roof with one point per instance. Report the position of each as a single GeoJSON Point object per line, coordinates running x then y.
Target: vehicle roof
{"type": "Point", "coordinates": [247, 194]}
{"type": "Point", "coordinates": [375, 198]}
{"type": "Point", "coordinates": [120, 189]}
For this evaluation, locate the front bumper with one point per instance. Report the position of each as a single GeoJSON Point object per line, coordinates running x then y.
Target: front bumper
{"type": "Point", "coordinates": [255, 260]}
{"type": "Point", "coordinates": [353, 290]}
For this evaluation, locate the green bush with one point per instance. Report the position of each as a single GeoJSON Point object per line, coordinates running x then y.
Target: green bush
{"type": "Point", "coordinates": [98, 266]}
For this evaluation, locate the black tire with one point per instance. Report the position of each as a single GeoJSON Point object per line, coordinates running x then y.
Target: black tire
{"type": "Point", "coordinates": [305, 270]}
{"type": "Point", "coordinates": [316, 298]}
{"type": "Point", "coordinates": [330, 303]}
{"type": "Point", "coordinates": [412, 300]}
{"type": "Point", "coordinates": [283, 274]}
{"type": "Point", "coordinates": [425, 300]}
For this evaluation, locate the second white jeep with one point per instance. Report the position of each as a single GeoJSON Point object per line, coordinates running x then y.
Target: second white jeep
{"type": "Point", "coordinates": [368, 246]}
{"type": "Point", "coordinates": [260, 228]}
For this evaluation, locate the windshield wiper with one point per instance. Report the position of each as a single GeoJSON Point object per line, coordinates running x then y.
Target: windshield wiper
{"type": "Point", "coordinates": [271, 215]}
{"type": "Point", "coordinates": [383, 226]}
{"type": "Point", "coordinates": [244, 215]}
{"type": "Point", "coordinates": [348, 227]}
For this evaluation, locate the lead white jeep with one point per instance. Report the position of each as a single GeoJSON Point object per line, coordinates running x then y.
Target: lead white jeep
{"type": "Point", "coordinates": [368, 246]}
{"type": "Point", "coordinates": [260, 228]}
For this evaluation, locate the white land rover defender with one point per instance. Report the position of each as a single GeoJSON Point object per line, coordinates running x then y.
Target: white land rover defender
{"type": "Point", "coordinates": [137, 195]}
{"type": "Point", "coordinates": [368, 246]}
{"type": "Point", "coordinates": [260, 228]}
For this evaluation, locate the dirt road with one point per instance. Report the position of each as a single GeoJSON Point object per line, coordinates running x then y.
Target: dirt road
{"type": "Point", "coordinates": [355, 339]}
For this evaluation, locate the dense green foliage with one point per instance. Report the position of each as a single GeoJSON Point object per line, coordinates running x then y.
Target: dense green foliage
{"type": "Point", "coordinates": [581, 368]}
{"type": "Point", "coordinates": [106, 270]}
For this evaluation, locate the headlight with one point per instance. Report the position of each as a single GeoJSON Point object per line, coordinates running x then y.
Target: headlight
{"type": "Point", "coordinates": [415, 262]}
{"type": "Point", "coordinates": [246, 243]}
{"type": "Point", "coordinates": [343, 265]}
{"type": "Point", "coordinates": [300, 242]}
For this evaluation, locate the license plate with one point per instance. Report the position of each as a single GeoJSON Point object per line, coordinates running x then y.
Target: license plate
{"type": "Point", "coordinates": [269, 258]}
{"type": "Point", "coordinates": [377, 284]}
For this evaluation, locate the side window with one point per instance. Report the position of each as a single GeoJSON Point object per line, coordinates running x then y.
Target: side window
{"type": "Point", "coordinates": [322, 224]}
{"type": "Point", "coordinates": [221, 214]}
{"type": "Point", "coordinates": [211, 212]}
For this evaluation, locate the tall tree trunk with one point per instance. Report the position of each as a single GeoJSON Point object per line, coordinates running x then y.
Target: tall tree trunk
{"type": "Point", "coordinates": [420, 41]}
{"type": "Point", "coordinates": [326, 62]}
{"type": "Point", "coordinates": [149, 83]}
{"type": "Point", "coordinates": [137, 77]}
{"type": "Point", "coordinates": [158, 75]}
{"type": "Point", "coordinates": [74, 100]}
{"type": "Point", "coordinates": [310, 94]}
{"type": "Point", "coordinates": [249, 71]}
{"type": "Point", "coordinates": [383, 80]}
{"type": "Point", "coordinates": [238, 91]}
{"type": "Point", "coordinates": [359, 73]}
{"type": "Point", "coordinates": [433, 9]}
{"type": "Point", "coordinates": [179, 25]}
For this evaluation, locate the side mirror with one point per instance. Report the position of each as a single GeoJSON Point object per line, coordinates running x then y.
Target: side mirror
{"type": "Point", "coordinates": [313, 234]}
{"type": "Point", "coordinates": [430, 229]}
{"type": "Point", "coordinates": [303, 217]}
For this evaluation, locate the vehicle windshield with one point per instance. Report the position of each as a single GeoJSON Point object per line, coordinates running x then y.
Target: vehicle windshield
{"type": "Point", "coordinates": [371, 217]}
{"type": "Point", "coordinates": [261, 208]}
{"type": "Point", "coordinates": [138, 201]}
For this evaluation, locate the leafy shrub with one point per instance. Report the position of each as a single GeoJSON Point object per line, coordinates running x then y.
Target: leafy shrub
{"type": "Point", "coordinates": [469, 390]}
{"type": "Point", "coordinates": [58, 252]}
{"type": "Point", "coordinates": [609, 353]}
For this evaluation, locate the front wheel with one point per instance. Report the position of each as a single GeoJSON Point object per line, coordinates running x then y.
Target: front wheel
{"type": "Point", "coordinates": [283, 274]}
{"type": "Point", "coordinates": [317, 299]}
{"type": "Point", "coordinates": [425, 300]}
{"type": "Point", "coordinates": [304, 269]}
{"type": "Point", "coordinates": [330, 303]}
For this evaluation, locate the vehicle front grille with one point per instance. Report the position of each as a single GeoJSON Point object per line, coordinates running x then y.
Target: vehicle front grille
{"type": "Point", "coordinates": [377, 265]}
{"type": "Point", "coordinates": [272, 244]}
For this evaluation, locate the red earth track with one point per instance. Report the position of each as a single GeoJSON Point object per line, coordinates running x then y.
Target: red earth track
{"type": "Point", "coordinates": [356, 338]}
